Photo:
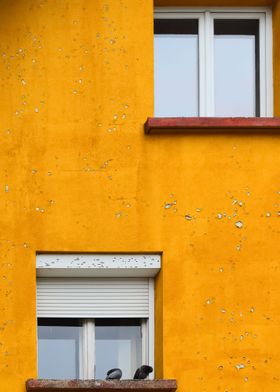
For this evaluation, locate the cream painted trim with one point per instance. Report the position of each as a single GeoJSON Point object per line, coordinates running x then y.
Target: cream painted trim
{"type": "Point", "coordinates": [151, 326]}
{"type": "Point", "coordinates": [97, 265]}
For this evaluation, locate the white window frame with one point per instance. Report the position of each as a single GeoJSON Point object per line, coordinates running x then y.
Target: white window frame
{"type": "Point", "coordinates": [205, 17]}
{"type": "Point", "coordinates": [108, 266]}
{"type": "Point", "coordinates": [87, 344]}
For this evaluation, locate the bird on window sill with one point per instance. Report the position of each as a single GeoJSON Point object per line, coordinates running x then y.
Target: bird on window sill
{"type": "Point", "coordinates": [142, 372]}
{"type": "Point", "coordinates": [114, 374]}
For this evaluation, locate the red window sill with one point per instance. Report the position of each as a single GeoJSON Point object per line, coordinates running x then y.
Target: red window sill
{"type": "Point", "coordinates": [36, 385]}
{"type": "Point", "coordinates": [198, 125]}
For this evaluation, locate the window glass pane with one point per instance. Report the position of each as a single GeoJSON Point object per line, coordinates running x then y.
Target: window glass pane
{"type": "Point", "coordinates": [58, 348]}
{"type": "Point", "coordinates": [176, 67]}
{"type": "Point", "coordinates": [236, 67]}
{"type": "Point", "coordinates": [118, 345]}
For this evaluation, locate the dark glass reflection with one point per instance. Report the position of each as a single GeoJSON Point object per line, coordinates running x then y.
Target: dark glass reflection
{"type": "Point", "coordinates": [176, 67]}
{"type": "Point", "coordinates": [236, 67]}
{"type": "Point", "coordinates": [118, 344]}
{"type": "Point", "coordinates": [58, 348]}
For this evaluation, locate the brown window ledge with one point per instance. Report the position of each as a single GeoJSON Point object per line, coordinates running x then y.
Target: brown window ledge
{"type": "Point", "coordinates": [36, 385]}
{"type": "Point", "coordinates": [198, 125]}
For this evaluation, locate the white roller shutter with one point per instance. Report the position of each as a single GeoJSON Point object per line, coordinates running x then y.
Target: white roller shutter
{"type": "Point", "coordinates": [93, 297]}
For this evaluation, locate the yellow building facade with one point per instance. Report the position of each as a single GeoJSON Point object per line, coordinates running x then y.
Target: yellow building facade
{"type": "Point", "coordinates": [78, 174]}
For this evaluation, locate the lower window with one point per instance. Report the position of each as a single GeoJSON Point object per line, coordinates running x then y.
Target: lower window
{"type": "Point", "coordinates": [88, 348]}
{"type": "Point", "coordinates": [89, 325]}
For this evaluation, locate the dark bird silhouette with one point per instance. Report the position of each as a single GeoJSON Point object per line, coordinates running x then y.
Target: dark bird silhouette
{"type": "Point", "coordinates": [142, 372]}
{"type": "Point", "coordinates": [114, 374]}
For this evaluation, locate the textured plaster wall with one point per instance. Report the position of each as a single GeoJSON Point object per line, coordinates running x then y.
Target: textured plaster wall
{"type": "Point", "coordinates": [78, 174]}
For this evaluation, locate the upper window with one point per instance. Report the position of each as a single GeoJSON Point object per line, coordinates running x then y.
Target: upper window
{"type": "Point", "coordinates": [214, 63]}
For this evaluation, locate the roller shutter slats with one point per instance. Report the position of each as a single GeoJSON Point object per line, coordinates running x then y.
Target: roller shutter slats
{"type": "Point", "coordinates": [93, 297]}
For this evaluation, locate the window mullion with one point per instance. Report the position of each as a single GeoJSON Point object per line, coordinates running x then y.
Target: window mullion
{"type": "Point", "coordinates": [202, 65]}
{"type": "Point", "coordinates": [88, 349]}
{"type": "Point", "coordinates": [91, 349]}
{"type": "Point", "coordinates": [209, 64]}
{"type": "Point", "coordinates": [267, 25]}
{"type": "Point", "coordinates": [144, 337]}
{"type": "Point", "coordinates": [262, 65]}
{"type": "Point", "coordinates": [82, 348]}
{"type": "Point", "coordinates": [84, 351]}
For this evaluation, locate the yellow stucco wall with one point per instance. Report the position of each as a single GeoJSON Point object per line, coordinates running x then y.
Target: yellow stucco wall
{"type": "Point", "coordinates": [78, 174]}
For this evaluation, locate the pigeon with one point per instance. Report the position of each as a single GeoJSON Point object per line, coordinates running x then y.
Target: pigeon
{"type": "Point", "coordinates": [143, 372]}
{"type": "Point", "coordinates": [114, 374]}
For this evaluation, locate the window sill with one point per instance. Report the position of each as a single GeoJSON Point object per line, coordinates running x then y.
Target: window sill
{"type": "Point", "coordinates": [212, 125]}
{"type": "Point", "coordinates": [36, 385]}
